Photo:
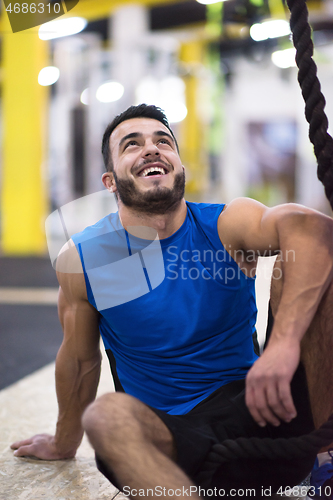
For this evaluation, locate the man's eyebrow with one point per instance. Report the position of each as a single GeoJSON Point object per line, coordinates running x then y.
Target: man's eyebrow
{"type": "Point", "coordinates": [133, 135]}
{"type": "Point", "coordinates": [160, 133]}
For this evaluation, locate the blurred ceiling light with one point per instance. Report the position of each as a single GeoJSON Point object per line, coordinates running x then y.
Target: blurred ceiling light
{"type": "Point", "coordinates": [284, 58]}
{"type": "Point", "coordinates": [168, 93]}
{"type": "Point", "coordinates": [48, 76]}
{"type": "Point", "coordinates": [269, 29]}
{"type": "Point", "coordinates": [172, 85]}
{"type": "Point", "coordinates": [147, 90]}
{"type": "Point", "coordinates": [208, 2]}
{"type": "Point", "coordinates": [85, 97]}
{"type": "Point", "coordinates": [110, 92]}
{"type": "Point", "coordinates": [62, 27]}
{"type": "Point", "coordinates": [175, 111]}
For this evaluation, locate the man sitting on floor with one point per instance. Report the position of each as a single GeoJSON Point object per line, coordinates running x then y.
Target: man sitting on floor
{"type": "Point", "coordinates": [181, 349]}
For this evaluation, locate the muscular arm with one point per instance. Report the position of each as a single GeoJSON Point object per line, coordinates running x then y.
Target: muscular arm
{"type": "Point", "coordinates": [77, 372]}
{"type": "Point", "coordinates": [304, 240]}
{"type": "Point", "coordinates": [77, 366]}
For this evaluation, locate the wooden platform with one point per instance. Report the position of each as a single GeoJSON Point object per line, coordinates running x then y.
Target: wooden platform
{"type": "Point", "coordinates": [29, 407]}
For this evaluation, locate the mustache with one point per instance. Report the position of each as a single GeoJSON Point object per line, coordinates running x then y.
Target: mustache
{"type": "Point", "coordinates": [147, 162]}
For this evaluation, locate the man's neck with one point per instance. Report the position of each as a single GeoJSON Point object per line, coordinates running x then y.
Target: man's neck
{"type": "Point", "coordinates": [165, 224]}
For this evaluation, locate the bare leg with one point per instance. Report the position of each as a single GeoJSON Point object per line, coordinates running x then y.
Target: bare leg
{"type": "Point", "coordinates": [316, 350]}
{"type": "Point", "coordinates": [136, 445]}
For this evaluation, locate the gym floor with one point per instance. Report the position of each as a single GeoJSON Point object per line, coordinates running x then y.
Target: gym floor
{"type": "Point", "coordinates": [30, 338]}
{"type": "Point", "coordinates": [30, 329]}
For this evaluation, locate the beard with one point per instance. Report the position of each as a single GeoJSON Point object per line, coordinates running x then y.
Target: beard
{"type": "Point", "coordinates": [154, 202]}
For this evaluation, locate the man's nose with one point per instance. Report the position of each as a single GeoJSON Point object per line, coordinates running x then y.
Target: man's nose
{"type": "Point", "coordinates": [151, 150]}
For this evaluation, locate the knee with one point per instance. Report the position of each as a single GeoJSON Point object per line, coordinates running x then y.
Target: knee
{"type": "Point", "coordinates": [113, 413]}
{"type": "Point", "coordinates": [115, 421]}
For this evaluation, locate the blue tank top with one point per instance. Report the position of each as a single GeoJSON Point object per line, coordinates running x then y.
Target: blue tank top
{"type": "Point", "coordinates": [182, 334]}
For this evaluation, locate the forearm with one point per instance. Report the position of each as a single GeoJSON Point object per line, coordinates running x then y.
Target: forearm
{"type": "Point", "coordinates": [76, 386]}
{"type": "Point", "coordinates": [306, 243]}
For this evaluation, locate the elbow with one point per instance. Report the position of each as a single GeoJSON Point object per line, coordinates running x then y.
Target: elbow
{"type": "Point", "coordinates": [321, 228]}
{"type": "Point", "coordinates": [309, 223]}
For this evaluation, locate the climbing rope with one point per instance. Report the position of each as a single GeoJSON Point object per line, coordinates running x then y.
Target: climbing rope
{"type": "Point", "coordinates": [303, 446]}
{"type": "Point", "coordinates": [272, 449]}
{"type": "Point", "coordinates": [311, 91]}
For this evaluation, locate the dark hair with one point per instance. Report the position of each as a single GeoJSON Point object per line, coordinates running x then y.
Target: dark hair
{"type": "Point", "coordinates": [140, 111]}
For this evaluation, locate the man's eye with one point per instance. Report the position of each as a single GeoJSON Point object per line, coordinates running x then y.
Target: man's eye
{"type": "Point", "coordinates": [164, 141]}
{"type": "Point", "coordinates": [131, 143]}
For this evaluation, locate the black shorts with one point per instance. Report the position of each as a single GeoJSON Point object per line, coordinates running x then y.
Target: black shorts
{"type": "Point", "coordinates": [224, 415]}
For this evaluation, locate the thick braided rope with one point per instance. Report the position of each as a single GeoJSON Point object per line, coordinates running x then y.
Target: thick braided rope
{"type": "Point", "coordinates": [272, 449]}
{"type": "Point", "coordinates": [314, 99]}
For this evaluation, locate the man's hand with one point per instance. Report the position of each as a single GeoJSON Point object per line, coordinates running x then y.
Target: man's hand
{"type": "Point", "coordinates": [41, 446]}
{"type": "Point", "coordinates": [268, 394]}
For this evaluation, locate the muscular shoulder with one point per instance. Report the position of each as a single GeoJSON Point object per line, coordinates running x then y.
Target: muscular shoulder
{"type": "Point", "coordinates": [237, 218]}
{"type": "Point", "coordinates": [70, 273]}
{"type": "Point", "coordinates": [241, 208]}
{"type": "Point", "coordinates": [247, 224]}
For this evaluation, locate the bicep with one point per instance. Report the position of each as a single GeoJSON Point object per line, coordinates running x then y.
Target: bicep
{"type": "Point", "coordinates": [251, 226]}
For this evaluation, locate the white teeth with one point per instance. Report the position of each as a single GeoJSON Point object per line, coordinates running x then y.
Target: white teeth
{"type": "Point", "coordinates": [146, 171]}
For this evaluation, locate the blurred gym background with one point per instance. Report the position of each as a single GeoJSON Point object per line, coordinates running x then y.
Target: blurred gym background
{"type": "Point", "coordinates": [224, 72]}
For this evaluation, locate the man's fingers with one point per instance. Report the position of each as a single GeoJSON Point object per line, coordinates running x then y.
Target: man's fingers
{"type": "Point", "coordinates": [274, 405]}
{"type": "Point", "coordinates": [287, 401]}
{"type": "Point", "coordinates": [40, 446]}
{"type": "Point", "coordinates": [268, 390]}
{"type": "Point", "coordinates": [277, 397]}
{"type": "Point", "coordinates": [24, 451]}
{"type": "Point", "coordinates": [17, 444]}
{"type": "Point", "coordinates": [257, 404]}
{"type": "Point", "coordinates": [263, 406]}
{"type": "Point", "coordinates": [280, 401]}
{"type": "Point", "coordinates": [271, 404]}
{"type": "Point", "coordinates": [250, 399]}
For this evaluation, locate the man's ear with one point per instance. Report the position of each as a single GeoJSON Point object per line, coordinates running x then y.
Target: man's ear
{"type": "Point", "coordinates": [109, 182]}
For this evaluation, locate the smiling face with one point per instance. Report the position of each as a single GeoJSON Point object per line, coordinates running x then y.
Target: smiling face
{"type": "Point", "coordinates": [148, 175]}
